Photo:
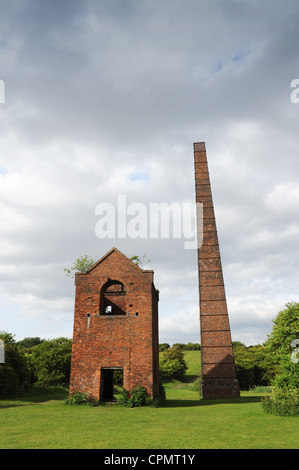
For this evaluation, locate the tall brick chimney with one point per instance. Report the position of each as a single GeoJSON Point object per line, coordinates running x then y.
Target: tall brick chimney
{"type": "Point", "coordinates": [218, 367]}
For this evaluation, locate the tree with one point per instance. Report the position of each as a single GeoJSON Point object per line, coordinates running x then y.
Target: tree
{"type": "Point", "coordinates": [14, 373]}
{"type": "Point", "coordinates": [281, 342]}
{"type": "Point", "coordinates": [28, 343]}
{"type": "Point", "coordinates": [192, 347]}
{"type": "Point", "coordinates": [51, 361]}
{"type": "Point", "coordinates": [82, 265]}
{"type": "Point", "coordinates": [172, 364]}
{"type": "Point", "coordinates": [188, 346]}
{"type": "Point", "coordinates": [163, 346]}
{"type": "Point", "coordinates": [254, 365]}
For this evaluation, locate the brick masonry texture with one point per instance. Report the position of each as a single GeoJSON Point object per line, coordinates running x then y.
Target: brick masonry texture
{"type": "Point", "coordinates": [218, 368]}
{"type": "Point", "coordinates": [126, 338]}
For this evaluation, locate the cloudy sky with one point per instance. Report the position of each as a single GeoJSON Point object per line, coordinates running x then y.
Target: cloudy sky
{"type": "Point", "coordinates": [105, 98]}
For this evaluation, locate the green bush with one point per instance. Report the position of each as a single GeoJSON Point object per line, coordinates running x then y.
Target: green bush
{"type": "Point", "coordinates": [172, 364]}
{"type": "Point", "coordinates": [261, 389]}
{"type": "Point", "coordinates": [195, 386]}
{"type": "Point", "coordinates": [285, 331]}
{"type": "Point", "coordinates": [79, 398]}
{"type": "Point", "coordinates": [282, 402]}
{"type": "Point", "coordinates": [137, 397]}
{"type": "Point", "coordinates": [123, 397]}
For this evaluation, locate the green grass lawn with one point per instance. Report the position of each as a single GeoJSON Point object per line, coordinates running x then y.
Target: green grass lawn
{"type": "Point", "coordinates": [184, 422]}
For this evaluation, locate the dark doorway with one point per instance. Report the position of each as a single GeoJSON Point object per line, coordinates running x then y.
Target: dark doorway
{"type": "Point", "coordinates": [112, 379]}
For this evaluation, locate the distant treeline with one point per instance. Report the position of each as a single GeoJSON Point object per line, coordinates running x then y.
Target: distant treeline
{"type": "Point", "coordinates": [35, 361]}
{"type": "Point", "coordinates": [31, 342]}
{"type": "Point", "coordinates": [182, 346]}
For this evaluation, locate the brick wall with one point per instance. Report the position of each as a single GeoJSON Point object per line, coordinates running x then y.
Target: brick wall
{"type": "Point", "coordinates": [128, 341]}
{"type": "Point", "coordinates": [218, 368]}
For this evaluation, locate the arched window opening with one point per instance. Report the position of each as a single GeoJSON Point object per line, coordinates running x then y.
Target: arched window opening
{"type": "Point", "coordinates": [113, 298]}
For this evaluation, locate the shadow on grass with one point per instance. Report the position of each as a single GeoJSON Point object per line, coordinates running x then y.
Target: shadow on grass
{"type": "Point", "coordinates": [191, 403]}
{"type": "Point", "coordinates": [35, 397]}
{"type": "Point", "coordinates": [14, 405]}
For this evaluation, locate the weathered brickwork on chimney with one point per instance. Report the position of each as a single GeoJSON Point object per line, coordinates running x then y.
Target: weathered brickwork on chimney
{"type": "Point", "coordinates": [218, 367]}
{"type": "Point", "coordinates": [115, 327]}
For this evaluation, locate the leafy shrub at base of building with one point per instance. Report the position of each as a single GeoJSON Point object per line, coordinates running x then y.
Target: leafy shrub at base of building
{"type": "Point", "coordinates": [79, 398]}
{"type": "Point", "coordinates": [136, 397]}
{"type": "Point", "coordinates": [139, 397]}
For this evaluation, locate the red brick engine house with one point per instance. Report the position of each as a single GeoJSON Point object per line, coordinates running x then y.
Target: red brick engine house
{"type": "Point", "coordinates": [115, 328]}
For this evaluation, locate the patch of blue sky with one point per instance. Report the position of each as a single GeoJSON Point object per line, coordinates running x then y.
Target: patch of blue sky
{"type": "Point", "coordinates": [218, 67]}
{"type": "Point", "coordinates": [238, 56]}
{"type": "Point", "coordinates": [3, 170]}
{"type": "Point", "coordinates": [139, 176]}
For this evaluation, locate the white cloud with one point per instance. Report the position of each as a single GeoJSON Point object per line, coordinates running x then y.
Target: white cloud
{"type": "Point", "coordinates": [284, 198]}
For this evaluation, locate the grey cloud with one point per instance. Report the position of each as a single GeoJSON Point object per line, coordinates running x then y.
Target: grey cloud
{"type": "Point", "coordinates": [98, 91]}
